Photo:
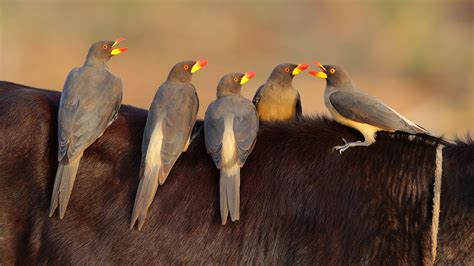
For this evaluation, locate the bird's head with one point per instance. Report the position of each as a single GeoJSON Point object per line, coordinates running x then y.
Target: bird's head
{"type": "Point", "coordinates": [335, 75]}
{"type": "Point", "coordinates": [183, 71]}
{"type": "Point", "coordinates": [231, 84]}
{"type": "Point", "coordinates": [104, 50]}
{"type": "Point", "coordinates": [286, 72]}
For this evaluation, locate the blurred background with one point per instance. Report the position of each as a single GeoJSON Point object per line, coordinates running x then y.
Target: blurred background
{"type": "Point", "coordinates": [416, 56]}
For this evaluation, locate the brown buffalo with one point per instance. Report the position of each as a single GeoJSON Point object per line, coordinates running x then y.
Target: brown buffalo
{"type": "Point", "coordinates": [301, 203]}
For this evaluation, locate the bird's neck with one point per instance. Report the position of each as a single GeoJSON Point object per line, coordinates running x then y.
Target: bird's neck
{"type": "Point", "coordinates": [342, 84]}
{"type": "Point", "coordinates": [224, 93]}
{"type": "Point", "coordinates": [283, 81]}
{"type": "Point", "coordinates": [93, 61]}
{"type": "Point", "coordinates": [178, 78]}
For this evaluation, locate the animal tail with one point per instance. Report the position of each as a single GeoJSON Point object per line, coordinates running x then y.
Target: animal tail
{"type": "Point", "coordinates": [438, 174]}
{"type": "Point", "coordinates": [63, 183]}
{"type": "Point", "coordinates": [230, 193]}
{"type": "Point", "coordinates": [145, 193]}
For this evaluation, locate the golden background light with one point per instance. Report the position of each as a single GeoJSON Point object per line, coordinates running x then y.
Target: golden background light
{"type": "Point", "coordinates": [416, 56]}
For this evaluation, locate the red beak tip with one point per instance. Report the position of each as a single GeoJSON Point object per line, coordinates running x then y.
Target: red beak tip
{"type": "Point", "coordinates": [202, 62]}
{"type": "Point", "coordinates": [250, 74]}
{"type": "Point", "coordinates": [121, 39]}
{"type": "Point", "coordinates": [303, 66]}
{"type": "Point", "coordinates": [312, 72]}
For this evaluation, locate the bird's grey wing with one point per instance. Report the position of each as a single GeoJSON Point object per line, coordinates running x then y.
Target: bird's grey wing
{"type": "Point", "coordinates": [177, 127]}
{"type": "Point", "coordinates": [364, 108]}
{"type": "Point", "coordinates": [298, 108]}
{"type": "Point", "coordinates": [68, 104]}
{"type": "Point", "coordinates": [213, 133]}
{"type": "Point", "coordinates": [258, 94]}
{"type": "Point", "coordinates": [92, 113]}
{"type": "Point", "coordinates": [118, 87]}
{"type": "Point", "coordinates": [245, 130]}
{"type": "Point", "coordinates": [196, 130]}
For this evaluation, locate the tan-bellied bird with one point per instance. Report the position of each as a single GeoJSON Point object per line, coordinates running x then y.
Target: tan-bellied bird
{"type": "Point", "coordinates": [276, 99]}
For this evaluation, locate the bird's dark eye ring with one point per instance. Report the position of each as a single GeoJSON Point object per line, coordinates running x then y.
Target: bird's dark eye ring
{"type": "Point", "coordinates": [105, 46]}
{"type": "Point", "coordinates": [236, 79]}
{"type": "Point", "coordinates": [287, 69]}
{"type": "Point", "coordinates": [186, 67]}
{"type": "Point", "coordinates": [332, 71]}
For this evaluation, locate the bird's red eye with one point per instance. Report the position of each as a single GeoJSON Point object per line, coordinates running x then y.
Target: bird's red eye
{"type": "Point", "coordinates": [105, 46]}
{"type": "Point", "coordinates": [332, 71]}
{"type": "Point", "coordinates": [236, 79]}
{"type": "Point", "coordinates": [186, 67]}
{"type": "Point", "coordinates": [287, 70]}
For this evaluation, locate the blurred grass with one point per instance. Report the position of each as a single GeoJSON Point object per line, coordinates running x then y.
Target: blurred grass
{"type": "Point", "coordinates": [417, 56]}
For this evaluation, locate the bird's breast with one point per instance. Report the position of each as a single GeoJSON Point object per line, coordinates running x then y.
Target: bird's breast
{"type": "Point", "coordinates": [277, 105]}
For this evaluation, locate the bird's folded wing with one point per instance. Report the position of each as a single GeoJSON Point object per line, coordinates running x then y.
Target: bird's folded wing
{"type": "Point", "coordinates": [83, 118]}
{"type": "Point", "coordinates": [258, 94]}
{"type": "Point", "coordinates": [363, 108]}
{"type": "Point", "coordinates": [214, 130]}
{"type": "Point", "coordinates": [299, 109]}
{"type": "Point", "coordinates": [245, 131]}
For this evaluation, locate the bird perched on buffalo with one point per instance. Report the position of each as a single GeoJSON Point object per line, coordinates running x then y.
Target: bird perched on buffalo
{"type": "Point", "coordinates": [230, 130]}
{"type": "Point", "coordinates": [354, 108]}
{"type": "Point", "coordinates": [89, 103]}
{"type": "Point", "coordinates": [167, 133]}
{"type": "Point", "coordinates": [276, 99]}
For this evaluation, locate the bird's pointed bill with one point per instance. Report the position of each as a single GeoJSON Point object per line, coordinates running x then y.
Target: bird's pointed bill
{"type": "Point", "coordinates": [119, 40]}
{"type": "Point", "coordinates": [319, 74]}
{"type": "Point", "coordinates": [119, 50]}
{"type": "Point", "coordinates": [316, 63]}
{"type": "Point", "coordinates": [198, 65]}
{"type": "Point", "coordinates": [247, 77]}
{"type": "Point", "coordinates": [299, 69]}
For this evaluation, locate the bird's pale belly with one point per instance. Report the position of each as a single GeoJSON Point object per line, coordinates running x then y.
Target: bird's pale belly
{"type": "Point", "coordinates": [367, 130]}
{"type": "Point", "coordinates": [269, 110]}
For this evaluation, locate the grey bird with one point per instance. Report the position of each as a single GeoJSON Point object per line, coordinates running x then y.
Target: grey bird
{"type": "Point", "coordinates": [89, 103]}
{"type": "Point", "coordinates": [354, 108]}
{"type": "Point", "coordinates": [230, 130]}
{"type": "Point", "coordinates": [276, 99]}
{"type": "Point", "coordinates": [167, 133]}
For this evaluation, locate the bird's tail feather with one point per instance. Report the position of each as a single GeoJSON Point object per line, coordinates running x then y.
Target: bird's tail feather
{"type": "Point", "coordinates": [230, 193]}
{"type": "Point", "coordinates": [145, 194]}
{"type": "Point", "coordinates": [63, 184]}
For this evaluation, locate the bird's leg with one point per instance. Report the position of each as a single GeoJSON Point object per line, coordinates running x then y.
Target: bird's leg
{"type": "Point", "coordinates": [348, 145]}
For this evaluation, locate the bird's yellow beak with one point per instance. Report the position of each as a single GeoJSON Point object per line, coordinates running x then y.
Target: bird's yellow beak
{"type": "Point", "coordinates": [118, 50]}
{"type": "Point", "coordinates": [299, 69]}
{"type": "Point", "coordinates": [198, 65]}
{"type": "Point", "coordinates": [320, 74]}
{"type": "Point", "coordinates": [247, 77]}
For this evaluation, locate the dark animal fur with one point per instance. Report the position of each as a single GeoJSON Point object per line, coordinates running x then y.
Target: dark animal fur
{"type": "Point", "coordinates": [301, 202]}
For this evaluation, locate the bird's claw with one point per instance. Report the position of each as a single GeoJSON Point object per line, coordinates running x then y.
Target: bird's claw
{"type": "Point", "coordinates": [341, 148]}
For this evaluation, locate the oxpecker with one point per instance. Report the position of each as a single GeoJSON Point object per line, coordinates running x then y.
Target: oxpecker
{"type": "Point", "coordinates": [167, 133]}
{"type": "Point", "coordinates": [276, 99]}
{"type": "Point", "coordinates": [354, 108]}
{"type": "Point", "coordinates": [89, 103]}
{"type": "Point", "coordinates": [230, 130]}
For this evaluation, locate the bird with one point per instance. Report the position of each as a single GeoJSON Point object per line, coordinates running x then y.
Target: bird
{"type": "Point", "coordinates": [89, 103]}
{"type": "Point", "coordinates": [276, 99]}
{"type": "Point", "coordinates": [167, 133]}
{"type": "Point", "coordinates": [230, 131]}
{"type": "Point", "coordinates": [354, 108]}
